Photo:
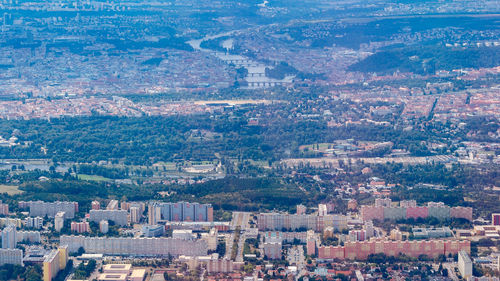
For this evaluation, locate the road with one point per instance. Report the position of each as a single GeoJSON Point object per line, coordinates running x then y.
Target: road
{"type": "Point", "coordinates": [240, 219]}
{"type": "Point", "coordinates": [451, 270]}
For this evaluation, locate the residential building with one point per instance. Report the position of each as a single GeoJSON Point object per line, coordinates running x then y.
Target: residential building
{"type": "Point", "coordinates": [54, 262]}
{"type": "Point", "coordinates": [80, 227]}
{"type": "Point", "coordinates": [112, 205]}
{"type": "Point", "coordinates": [95, 205]}
{"type": "Point", "coordinates": [59, 221]}
{"type": "Point", "coordinates": [464, 265]}
{"type": "Point", "coordinates": [9, 239]}
{"type": "Point", "coordinates": [36, 222]}
{"type": "Point", "coordinates": [104, 226]}
{"type": "Point", "coordinates": [361, 250]}
{"type": "Point", "coordinates": [272, 250]}
{"type": "Point", "coordinates": [120, 217]}
{"type": "Point", "coordinates": [50, 209]}
{"type": "Point", "coordinates": [495, 219]}
{"type": "Point", "coordinates": [129, 246]}
{"type": "Point", "coordinates": [135, 214]}
{"type": "Point", "coordinates": [4, 208]}
{"type": "Point", "coordinates": [301, 209]}
{"type": "Point", "coordinates": [11, 256]}
{"type": "Point", "coordinates": [181, 211]}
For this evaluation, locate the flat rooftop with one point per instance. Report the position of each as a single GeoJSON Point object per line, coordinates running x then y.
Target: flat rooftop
{"type": "Point", "coordinates": [116, 267]}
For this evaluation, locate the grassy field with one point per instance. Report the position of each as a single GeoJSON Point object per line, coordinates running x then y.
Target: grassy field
{"type": "Point", "coordinates": [92, 178]}
{"type": "Point", "coordinates": [10, 189]}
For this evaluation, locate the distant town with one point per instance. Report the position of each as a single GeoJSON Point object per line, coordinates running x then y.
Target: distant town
{"type": "Point", "coordinates": [138, 240]}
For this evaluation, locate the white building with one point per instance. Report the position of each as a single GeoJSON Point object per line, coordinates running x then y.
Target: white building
{"type": "Point", "coordinates": [36, 222]}
{"type": "Point", "coordinates": [28, 236]}
{"type": "Point", "coordinates": [11, 256]}
{"type": "Point", "coordinates": [104, 226]}
{"type": "Point", "coordinates": [50, 209]}
{"type": "Point", "coordinates": [272, 250]}
{"type": "Point", "coordinates": [183, 234]}
{"type": "Point", "coordinates": [112, 205]}
{"type": "Point", "coordinates": [118, 216]}
{"type": "Point", "coordinates": [9, 237]}
{"type": "Point", "coordinates": [59, 221]}
{"type": "Point", "coordinates": [464, 265]}
{"type": "Point", "coordinates": [128, 246]}
{"type": "Point", "coordinates": [135, 214]}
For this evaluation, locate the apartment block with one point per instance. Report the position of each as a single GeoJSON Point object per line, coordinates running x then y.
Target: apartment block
{"type": "Point", "coordinates": [4, 209]}
{"type": "Point", "coordinates": [128, 246]}
{"type": "Point", "coordinates": [9, 237]}
{"type": "Point", "coordinates": [135, 214]}
{"type": "Point", "coordinates": [11, 256]}
{"type": "Point", "coordinates": [361, 250]}
{"type": "Point", "coordinates": [181, 211]}
{"type": "Point", "coordinates": [279, 221]}
{"type": "Point", "coordinates": [120, 217]}
{"type": "Point", "coordinates": [495, 219]}
{"type": "Point", "coordinates": [59, 221]}
{"type": "Point", "coordinates": [54, 262]}
{"type": "Point", "coordinates": [219, 266]}
{"type": "Point", "coordinates": [36, 222]}
{"type": "Point", "coordinates": [272, 250]}
{"type": "Point", "coordinates": [95, 205]}
{"type": "Point", "coordinates": [408, 209]}
{"type": "Point", "coordinates": [28, 236]}
{"type": "Point", "coordinates": [464, 265]}
{"type": "Point", "coordinates": [50, 209]}
{"type": "Point", "coordinates": [80, 227]}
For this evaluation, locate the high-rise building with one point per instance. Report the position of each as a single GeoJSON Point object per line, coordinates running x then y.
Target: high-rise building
{"type": "Point", "coordinates": [59, 221]}
{"type": "Point", "coordinates": [361, 250]}
{"type": "Point", "coordinates": [9, 239]}
{"type": "Point", "coordinates": [129, 246]}
{"type": "Point", "coordinates": [118, 216]}
{"type": "Point", "coordinates": [11, 256]}
{"type": "Point", "coordinates": [301, 209]}
{"type": "Point", "coordinates": [96, 205]}
{"type": "Point", "coordinates": [36, 222]}
{"type": "Point", "coordinates": [54, 262]}
{"type": "Point", "coordinates": [50, 209]}
{"type": "Point", "coordinates": [219, 266]}
{"type": "Point", "coordinates": [112, 205]}
{"type": "Point", "coordinates": [464, 265]}
{"type": "Point", "coordinates": [135, 214]}
{"type": "Point", "coordinates": [181, 211]}
{"type": "Point", "coordinates": [104, 226]}
{"type": "Point", "coordinates": [322, 210]}
{"type": "Point", "coordinates": [4, 209]}
{"type": "Point", "coordinates": [80, 227]}
{"type": "Point", "coordinates": [279, 221]}
{"type": "Point", "coordinates": [272, 250]}
{"type": "Point", "coordinates": [28, 236]}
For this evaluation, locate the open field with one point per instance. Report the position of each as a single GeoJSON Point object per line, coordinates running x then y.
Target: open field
{"type": "Point", "coordinates": [92, 178]}
{"type": "Point", "coordinates": [10, 189]}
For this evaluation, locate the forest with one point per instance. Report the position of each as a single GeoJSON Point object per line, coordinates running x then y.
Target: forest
{"type": "Point", "coordinates": [146, 140]}
{"type": "Point", "coordinates": [427, 59]}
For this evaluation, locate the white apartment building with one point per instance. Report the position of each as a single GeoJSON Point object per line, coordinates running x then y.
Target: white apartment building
{"type": "Point", "coordinates": [128, 246]}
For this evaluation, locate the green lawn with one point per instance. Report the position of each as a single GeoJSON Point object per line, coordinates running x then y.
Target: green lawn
{"type": "Point", "coordinates": [92, 178]}
{"type": "Point", "coordinates": [10, 189]}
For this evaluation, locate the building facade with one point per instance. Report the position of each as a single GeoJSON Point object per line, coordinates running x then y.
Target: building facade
{"type": "Point", "coordinates": [128, 246]}
{"type": "Point", "coordinates": [181, 211]}
{"type": "Point", "coordinates": [120, 217]}
{"type": "Point", "coordinates": [50, 209]}
{"type": "Point", "coordinates": [361, 250]}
